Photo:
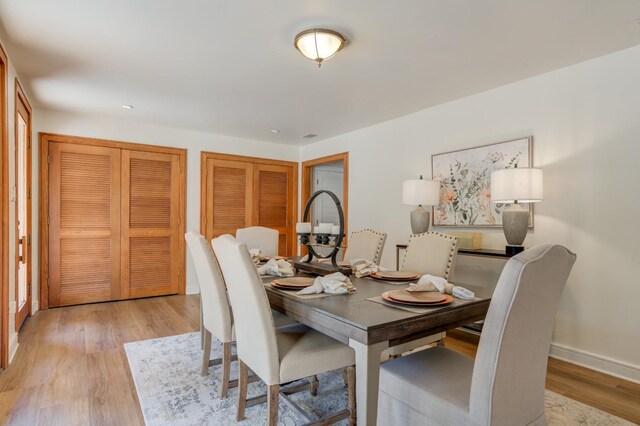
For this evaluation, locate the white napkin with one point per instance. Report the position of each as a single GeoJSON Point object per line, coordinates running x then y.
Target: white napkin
{"type": "Point", "coordinates": [363, 267]}
{"type": "Point", "coordinates": [335, 283]}
{"type": "Point", "coordinates": [278, 268]}
{"type": "Point", "coordinates": [256, 254]}
{"type": "Point", "coordinates": [439, 284]}
{"type": "Point", "coordinates": [429, 283]}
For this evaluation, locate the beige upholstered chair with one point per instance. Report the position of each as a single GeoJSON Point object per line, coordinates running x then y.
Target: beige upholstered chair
{"type": "Point", "coordinates": [259, 237]}
{"type": "Point", "coordinates": [215, 315]}
{"type": "Point", "coordinates": [276, 356]}
{"type": "Point", "coordinates": [366, 244]}
{"type": "Point", "coordinates": [430, 253]}
{"type": "Point", "coordinates": [214, 308]}
{"type": "Point", "coordinates": [505, 384]}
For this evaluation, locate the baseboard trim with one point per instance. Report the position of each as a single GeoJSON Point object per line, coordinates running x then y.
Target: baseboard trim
{"type": "Point", "coordinates": [612, 367]}
{"type": "Point", "coordinates": [13, 346]}
{"type": "Point", "coordinates": [192, 289]}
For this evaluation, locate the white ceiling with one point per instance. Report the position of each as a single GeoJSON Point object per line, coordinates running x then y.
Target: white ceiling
{"type": "Point", "coordinates": [229, 66]}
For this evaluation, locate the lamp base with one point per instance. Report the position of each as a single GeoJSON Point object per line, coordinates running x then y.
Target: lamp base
{"type": "Point", "coordinates": [420, 218]}
{"type": "Point", "coordinates": [513, 249]}
{"type": "Point", "coordinates": [515, 224]}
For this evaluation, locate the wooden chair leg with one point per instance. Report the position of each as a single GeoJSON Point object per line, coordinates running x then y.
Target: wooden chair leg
{"type": "Point", "coordinates": [226, 369]}
{"type": "Point", "coordinates": [272, 405]}
{"type": "Point", "coordinates": [201, 326]}
{"type": "Point", "coordinates": [351, 386]}
{"type": "Point", "coordinates": [314, 385]}
{"type": "Point", "coordinates": [206, 352]}
{"type": "Point", "coordinates": [243, 377]}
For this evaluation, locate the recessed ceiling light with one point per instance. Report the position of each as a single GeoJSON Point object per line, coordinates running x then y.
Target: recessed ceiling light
{"type": "Point", "coordinates": [275, 131]}
{"type": "Point", "coordinates": [127, 106]}
{"type": "Point", "coordinates": [309, 136]}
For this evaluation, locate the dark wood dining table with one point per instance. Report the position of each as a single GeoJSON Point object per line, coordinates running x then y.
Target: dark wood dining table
{"type": "Point", "coordinates": [370, 327]}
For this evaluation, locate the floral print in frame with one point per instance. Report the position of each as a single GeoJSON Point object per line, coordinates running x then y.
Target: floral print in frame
{"type": "Point", "coordinates": [465, 193]}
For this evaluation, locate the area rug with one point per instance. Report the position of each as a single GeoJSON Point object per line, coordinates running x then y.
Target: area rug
{"type": "Point", "coordinates": [171, 391]}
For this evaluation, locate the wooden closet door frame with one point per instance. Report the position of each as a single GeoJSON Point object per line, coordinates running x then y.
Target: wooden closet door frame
{"type": "Point", "coordinates": [4, 212]}
{"type": "Point", "coordinates": [43, 199]}
{"type": "Point", "coordinates": [293, 212]}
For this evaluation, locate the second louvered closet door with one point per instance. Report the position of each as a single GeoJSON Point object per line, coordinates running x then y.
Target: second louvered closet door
{"type": "Point", "coordinates": [273, 195]}
{"type": "Point", "coordinates": [151, 233]}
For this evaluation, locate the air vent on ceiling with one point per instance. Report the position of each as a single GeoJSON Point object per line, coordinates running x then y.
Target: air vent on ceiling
{"type": "Point", "coordinates": [309, 135]}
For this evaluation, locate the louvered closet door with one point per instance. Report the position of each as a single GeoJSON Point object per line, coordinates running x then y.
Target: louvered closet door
{"type": "Point", "coordinates": [84, 227]}
{"type": "Point", "coordinates": [228, 197]}
{"type": "Point", "coordinates": [151, 232]}
{"type": "Point", "coordinates": [273, 194]}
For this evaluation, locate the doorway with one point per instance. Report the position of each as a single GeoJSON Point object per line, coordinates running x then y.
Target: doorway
{"type": "Point", "coordinates": [23, 207]}
{"type": "Point", "coordinates": [327, 177]}
{"type": "Point", "coordinates": [329, 173]}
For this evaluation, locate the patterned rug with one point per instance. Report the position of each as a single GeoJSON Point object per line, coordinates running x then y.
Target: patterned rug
{"type": "Point", "coordinates": [171, 391]}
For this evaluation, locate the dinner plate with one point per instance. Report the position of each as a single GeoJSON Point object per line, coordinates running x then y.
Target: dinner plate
{"type": "Point", "coordinates": [293, 282]}
{"type": "Point", "coordinates": [395, 275]}
{"type": "Point", "coordinates": [448, 299]}
{"type": "Point", "coordinates": [426, 297]}
{"type": "Point", "coordinates": [284, 287]}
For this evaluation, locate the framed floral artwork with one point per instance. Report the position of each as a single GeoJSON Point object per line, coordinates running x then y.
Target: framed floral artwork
{"type": "Point", "coordinates": [465, 193]}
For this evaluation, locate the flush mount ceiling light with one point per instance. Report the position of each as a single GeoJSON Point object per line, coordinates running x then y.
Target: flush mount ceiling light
{"type": "Point", "coordinates": [127, 106]}
{"type": "Point", "coordinates": [319, 44]}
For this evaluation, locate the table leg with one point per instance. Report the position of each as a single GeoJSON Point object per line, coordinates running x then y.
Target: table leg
{"type": "Point", "coordinates": [367, 380]}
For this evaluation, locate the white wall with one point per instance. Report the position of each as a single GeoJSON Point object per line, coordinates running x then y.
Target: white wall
{"type": "Point", "coordinates": [127, 131]}
{"type": "Point", "coordinates": [585, 120]}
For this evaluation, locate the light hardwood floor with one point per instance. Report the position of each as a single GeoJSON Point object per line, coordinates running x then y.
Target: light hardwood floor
{"type": "Point", "coordinates": [71, 367]}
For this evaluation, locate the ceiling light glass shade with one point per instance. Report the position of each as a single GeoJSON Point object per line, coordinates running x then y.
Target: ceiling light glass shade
{"type": "Point", "coordinates": [523, 185]}
{"type": "Point", "coordinates": [421, 192]}
{"type": "Point", "coordinates": [319, 44]}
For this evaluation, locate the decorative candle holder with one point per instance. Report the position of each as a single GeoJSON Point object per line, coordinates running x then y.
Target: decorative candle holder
{"type": "Point", "coordinates": [333, 235]}
{"type": "Point", "coordinates": [304, 238]}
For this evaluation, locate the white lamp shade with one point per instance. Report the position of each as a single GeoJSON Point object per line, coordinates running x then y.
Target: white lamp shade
{"type": "Point", "coordinates": [519, 184]}
{"type": "Point", "coordinates": [421, 192]}
{"type": "Point", "coordinates": [319, 44]}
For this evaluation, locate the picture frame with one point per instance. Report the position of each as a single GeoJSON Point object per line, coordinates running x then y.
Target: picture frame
{"type": "Point", "coordinates": [465, 192]}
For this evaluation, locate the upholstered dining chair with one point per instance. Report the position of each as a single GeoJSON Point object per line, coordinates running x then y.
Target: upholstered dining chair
{"type": "Point", "coordinates": [505, 384]}
{"type": "Point", "coordinates": [259, 237]}
{"type": "Point", "coordinates": [276, 356]}
{"type": "Point", "coordinates": [365, 244]}
{"type": "Point", "coordinates": [215, 315]}
{"type": "Point", "coordinates": [214, 308]}
{"type": "Point", "coordinates": [430, 253]}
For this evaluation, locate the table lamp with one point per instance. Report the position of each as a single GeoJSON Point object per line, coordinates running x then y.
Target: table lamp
{"type": "Point", "coordinates": [420, 192]}
{"type": "Point", "coordinates": [514, 186]}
